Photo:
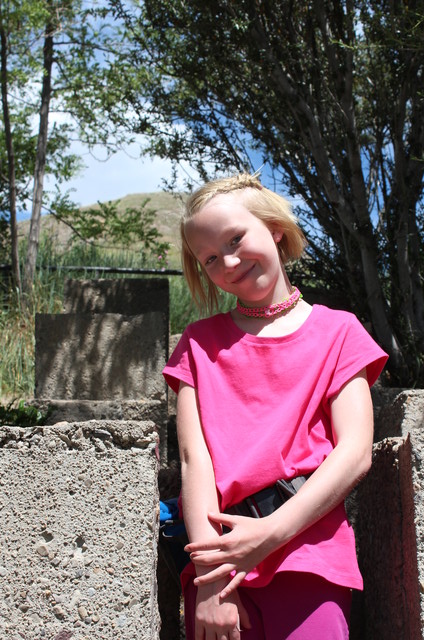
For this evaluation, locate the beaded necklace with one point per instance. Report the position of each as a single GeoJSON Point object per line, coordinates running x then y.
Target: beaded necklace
{"type": "Point", "coordinates": [272, 309]}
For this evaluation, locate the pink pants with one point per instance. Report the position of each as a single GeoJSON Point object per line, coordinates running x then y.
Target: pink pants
{"type": "Point", "coordinates": [294, 606]}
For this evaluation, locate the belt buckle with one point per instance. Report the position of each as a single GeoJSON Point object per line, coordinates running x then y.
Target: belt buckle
{"type": "Point", "coordinates": [265, 502]}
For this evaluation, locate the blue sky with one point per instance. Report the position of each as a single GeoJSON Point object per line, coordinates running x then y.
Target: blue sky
{"type": "Point", "coordinates": [118, 176]}
{"type": "Point", "coordinates": [122, 174]}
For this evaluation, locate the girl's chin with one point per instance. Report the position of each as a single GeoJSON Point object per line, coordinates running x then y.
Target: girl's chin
{"type": "Point", "coordinates": [255, 302]}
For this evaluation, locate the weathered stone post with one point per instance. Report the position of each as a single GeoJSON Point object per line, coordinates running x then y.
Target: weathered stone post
{"type": "Point", "coordinates": [389, 526]}
{"type": "Point", "coordinates": [80, 498]}
{"type": "Point", "coordinates": [78, 538]}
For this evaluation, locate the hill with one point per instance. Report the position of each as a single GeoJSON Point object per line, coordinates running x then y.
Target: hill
{"type": "Point", "coordinates": [168, 209]}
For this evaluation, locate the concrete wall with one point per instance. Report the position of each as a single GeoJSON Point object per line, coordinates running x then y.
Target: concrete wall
{"type": "Point", "coordinates": [100, 356]}
{"type": "Point", "coordinates": [129, 296]}
{"type": "Point", "coordinates": [387, 511]}
{"type": "Point", "coordinates": [78, 537]}
{"type": "Point", "coordinates": [83, 410]}
{"type": "Point", "coordinates": [103, 357]}
{"type": "Point", "coordinates": [111, 342]}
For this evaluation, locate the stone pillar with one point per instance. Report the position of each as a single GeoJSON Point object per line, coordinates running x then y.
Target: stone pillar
{"type": "Point", "coordinates": [106, 352]}
{"type": "Point", "coordinates": [78, 538]}
{"type": "Point", "coordinates": [100, 356]}
{"type": "Point", "coordinates": [388, 518]}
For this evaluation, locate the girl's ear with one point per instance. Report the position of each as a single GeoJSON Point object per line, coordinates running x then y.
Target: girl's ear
{"type": "Point", "coordinates": [277, 234]}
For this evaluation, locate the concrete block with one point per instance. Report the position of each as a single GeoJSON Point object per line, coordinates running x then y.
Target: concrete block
{"type": "Point", "coordinates": [78, 539]}
{"type": "Point", "coordinates": [100, 356]}
{"type": "Point", "coordinates": [83, 410]}
{"type": "Point", "coordinates": [387, 512]}
{"type": "Point", "coordinates": [127, 296]}
{"type": "Point", "coordinates": [417, 467]}
{"type": "Point", "coordinates": [400, 416]}
{"type": "Point", "coordinates": [385, 527]}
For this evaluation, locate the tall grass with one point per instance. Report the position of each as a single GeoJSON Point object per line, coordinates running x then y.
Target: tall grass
{"type": "Point", "coordinates": [182, 309]}
{"type": "Point", "coordinates": [17, 324]}
{"type": "Point", "coordinates": [17, 333]}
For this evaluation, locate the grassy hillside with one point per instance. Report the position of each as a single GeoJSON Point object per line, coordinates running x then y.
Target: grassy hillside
{"type": "Point", "coordinates": [168, 209]}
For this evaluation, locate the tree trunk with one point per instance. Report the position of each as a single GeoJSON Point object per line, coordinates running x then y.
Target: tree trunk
{"type": "Point", "coordinates": [16, 275]}
{"type": "Point", "coordinates": [40, 164]}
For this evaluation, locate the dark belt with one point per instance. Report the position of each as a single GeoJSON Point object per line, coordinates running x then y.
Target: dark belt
{"type": "Point", "coordinates": [266, 501]}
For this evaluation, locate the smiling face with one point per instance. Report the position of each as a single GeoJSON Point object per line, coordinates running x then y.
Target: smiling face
{"type": "Point", "coordinates": [237, 251]}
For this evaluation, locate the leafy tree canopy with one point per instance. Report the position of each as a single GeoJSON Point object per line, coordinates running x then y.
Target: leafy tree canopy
{"type": "Point", "coordinates": [329, 95]}
{"type": "Point", "coordinates": [60, 80]}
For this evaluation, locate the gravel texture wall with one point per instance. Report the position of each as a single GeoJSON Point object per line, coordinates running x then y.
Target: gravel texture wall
{"type": "Point", "coordinates": [78, 538]}
{"type": "Point", "coordinates": [387, 511]}
{"type": "Point", "coordinates": [386, 536]}
{"type": "Point", "coordinates": [132, 296]}
{"type": "Point", "coordinates": [100, 356]}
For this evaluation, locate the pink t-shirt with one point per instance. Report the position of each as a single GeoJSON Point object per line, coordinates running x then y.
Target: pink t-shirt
{"type": "Point", "coordinates": [265, 410]}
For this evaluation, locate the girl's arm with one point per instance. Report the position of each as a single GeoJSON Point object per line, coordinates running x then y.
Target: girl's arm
{"type": "Point", "coordinates": [251, 540]}
{"type": "Point", "coordinates": [199, 497]}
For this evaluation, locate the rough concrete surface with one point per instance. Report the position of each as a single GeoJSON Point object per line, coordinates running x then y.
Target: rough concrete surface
{"type": "Point", "coordinates": [130, 296]}
{"type": "Point", "coordinates": [100, 356]}
{"type": "Point", "coordinates": [401, 415]}
{"type": "Point", "coordinates": [78, 538]}
{"type": "Point", "coordinates": [83, 410]}
{"type": "Point", "coordinates": [387, 547]}
{"type": "Point", "coordinates": [417, 459]}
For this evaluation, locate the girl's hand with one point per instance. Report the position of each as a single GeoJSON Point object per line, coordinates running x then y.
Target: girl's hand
{"type": "Point", "coordinates": [217, 619]}
{"type": "Point", "coordinates": [239, 551]}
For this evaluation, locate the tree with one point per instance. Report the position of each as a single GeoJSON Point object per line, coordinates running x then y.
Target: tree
{"type": "Point", "coordinates": [329, 95]}
{"type": "Point", "coordinates": [109, 226]}
{"type": "Point", "coordinates": [41, 150]}
{"type": "Point", "coordinates": [60, 63]}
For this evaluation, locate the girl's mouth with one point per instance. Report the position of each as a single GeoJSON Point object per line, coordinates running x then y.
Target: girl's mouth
{"type": "Point", "coordinates": [243, 276]}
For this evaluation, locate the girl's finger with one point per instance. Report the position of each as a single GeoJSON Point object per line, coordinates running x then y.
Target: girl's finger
{"type": "Point", "coordinates": [235, 634]}
{"type": "Point", "coordinates": [206, 559]}
{"type": "Point", "coordinates": [223, 518]}
{"type": "Point", "coordinates": [225, 541]}
{"type": "Point", "coordinates": [208, 545]}
{"type": "Point", "coordinates": [220, 572]}
{"type": "Point", "coordinates": [233, 584]}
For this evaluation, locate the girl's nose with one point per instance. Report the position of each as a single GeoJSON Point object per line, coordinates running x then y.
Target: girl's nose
{"type": "Point", "coordinates": [230, 261]}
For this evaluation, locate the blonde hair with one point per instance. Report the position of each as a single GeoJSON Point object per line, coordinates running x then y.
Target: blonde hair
{"type": "Point", "coordinates": [274, 210]}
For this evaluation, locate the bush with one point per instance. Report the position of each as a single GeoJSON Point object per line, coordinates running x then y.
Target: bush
{"type": "Point", "coordinates": [21, 415]}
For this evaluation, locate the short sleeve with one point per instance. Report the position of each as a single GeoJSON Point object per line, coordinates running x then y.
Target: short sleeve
{"type": "Point", "coordinates": [180, 366]}
{"type": "Point", "coordinates": [358, 350]}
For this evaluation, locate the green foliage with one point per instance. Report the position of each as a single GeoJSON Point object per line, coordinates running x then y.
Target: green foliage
{"type": "Point", "coordinates": [4, 239]}
{"type": "Point", "coordinates": [20, 414]}
{"type": "Point", "coordinates": [106, 226]}
{"type": "Point", "coordinates": [17, 333]}
{"type": "Point", "coordinates": [61, 73]}
{"type": "Point", "coordinates": [182, 308]}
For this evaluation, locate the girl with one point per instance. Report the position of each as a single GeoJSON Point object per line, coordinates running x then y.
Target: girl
{"type": "Point", "coordinates": [273, 399]}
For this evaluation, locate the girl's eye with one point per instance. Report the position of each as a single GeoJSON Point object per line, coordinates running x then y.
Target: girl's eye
{"type": "Point", "coordinates": [209, 260]}
{"type": "Point", "coordinates": [235, 240]}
